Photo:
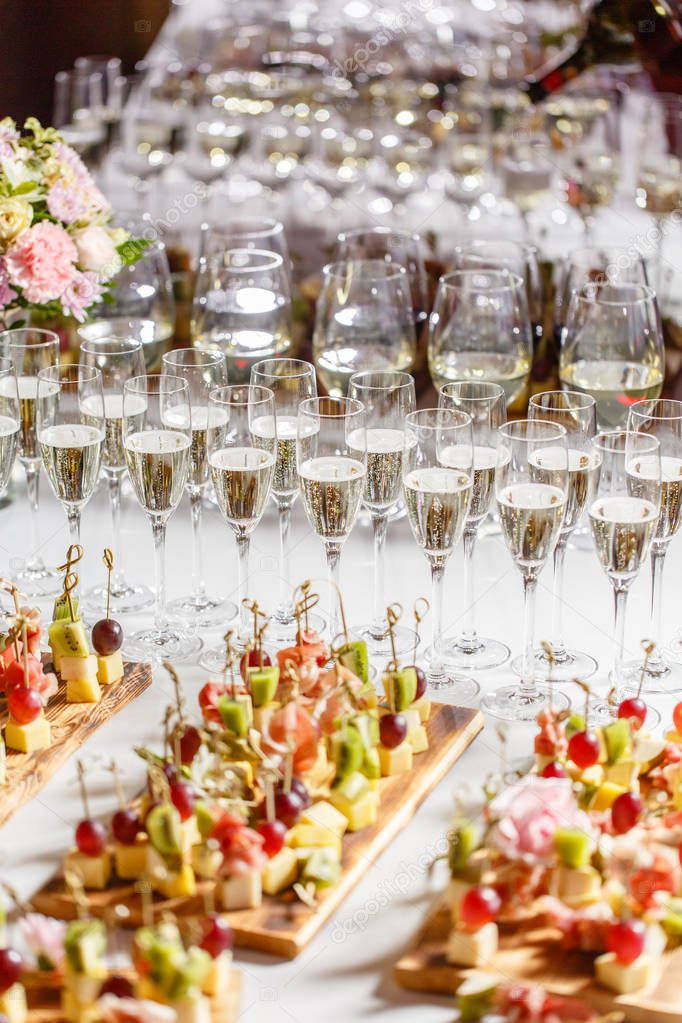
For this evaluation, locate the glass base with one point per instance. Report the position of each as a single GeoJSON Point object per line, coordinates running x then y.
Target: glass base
{"type": "Point", "coordinates": [158, 645]}
{"type": "Point", "coordinates": [581, 539]}
{"type": "Point", "coordinates": [36, 580]}
{"type": "Point", "coordinates": [510, 704]}
{"type": "Point", "coordinates": [202, 611]}
{"type": "Point", "coordinates": [127, 598]}
{"type": "Point", "coordinates": [282, 631]}
{"type": "Point", "coordinates": [601, 712]}
{"type": "Point", "coordinates": [663, 677]}
{"type": "Point", "coordinates": [380, 645]}
{"type": "Point", "coordinates": [489, 653]}
{"type": "Point", "coordinates": [573, 664]}
{"type": "Point", "coordinates": [464, 690]}
{"type": "Point", "coordinates": [213, 660]}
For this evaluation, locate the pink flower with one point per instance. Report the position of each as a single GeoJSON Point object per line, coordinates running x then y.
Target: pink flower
{"type": "Point", "coordinates": [529, 813]}
{"type": "Point", "coordinates": [8, 136]}
{"type": "Point", "coordinates": [44, 937]}
{"type": "Point", "coordinates": [65, 201]}
{"type": "Point", "coordinates": [91, 198]}
{"type": "Point", "coordinates": [40, 262]}
{"type": "Point", "coordinates": [7, 294]}
{"type": "Point", "coordinates": [80, 294]}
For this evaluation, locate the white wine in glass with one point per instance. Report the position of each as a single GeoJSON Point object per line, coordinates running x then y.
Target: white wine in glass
{"type": "Point", "coordinates": [9, 421]}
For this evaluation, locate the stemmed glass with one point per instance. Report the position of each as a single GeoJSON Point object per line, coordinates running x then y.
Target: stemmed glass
{"type": "Point", "coordinates": [242, 467]}
{"type": "Point", "coordinates": [612, 348]}
{"type": "Point", "coordinates": [594, 265]}
{"type": "Point", "coordinates": [484, 402]}
{"type": "Point", "coordinates": [480, 330]}
{"type": "Point", "coordinates": [363, 320]}
{"type": "Point", "coordinates": [264, 233]}
{"type": "Point", "coordinates": [31, 350]}
{"type": "Point", "coordinates": [118, 359]}
{"type": "Point", "coordinates": [623, 520]}
{"type": "Point", "coordinates": [388, 397]}
{"type": "Point", "coordinates": [661, 418]}
{"type": "Point", "coordinates": [531, 481]}
{"type": "Point", "coordinates": [437, 484]}
{"type": "Point", "coordinates": [331, 455]}
{"type": "Point", "coordinates": [9, 420]}
{"type": "Point", "coordinates": [291, 381]}
{"type": "Point", "coordinates": [70, 431]}
{"type": "Point", "coordinates": [203, 371]}
{"type": "Point", "coordinates": [157, 439]}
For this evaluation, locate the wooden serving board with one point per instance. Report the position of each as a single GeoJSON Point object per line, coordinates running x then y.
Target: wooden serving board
{"type": "Point", "coordinates": [534, 954]}
{"type": "Point", "coordinates": [72, 724]}
{"type": "Point", "coordinates": [283, 925]}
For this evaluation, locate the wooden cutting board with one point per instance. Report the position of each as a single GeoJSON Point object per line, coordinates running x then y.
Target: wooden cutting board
{"type": "Point", "coordinates": [282, 925]}
{"type": "Point", "coordinates": [72, 724]}
{"type": "Point", "coordinates": [533, 954]}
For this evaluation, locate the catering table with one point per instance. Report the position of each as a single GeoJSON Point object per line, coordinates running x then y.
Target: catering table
{"type": "Point", "coordinates": [345, 973]}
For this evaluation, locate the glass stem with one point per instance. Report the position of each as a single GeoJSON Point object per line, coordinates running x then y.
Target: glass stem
{"type": "Point", "coordinates": [243, 545]}
{"type": "Point", "coordinates": [620, 600]}
{"type": "Point", "coordinates": [558, 645]}
{"type": "Point", "coordinates": [73, 516]}
{"type": "Point", "coordinates": [118, 578]}
{"type": "Point", "coordinates": [333, 552]}
{"type": "Point", "coordinates": [468, 640]}
{"type": "Point", "coordinates": [285, 610]}
{"type": "Point", "coordinates": [527, 688]}
{"type": "Point", "coordinates": [32, 489]}
{"type": "Point", "coordinates": [379, 528]}
{"type": "Point", "coordinates": [159, 533]}
{"type": "Point", "coordinates": [196, 508]}
{"type": "Point", "coordinates": [658, 554]}
{"type": "Point", "coordinates": [436, 671]}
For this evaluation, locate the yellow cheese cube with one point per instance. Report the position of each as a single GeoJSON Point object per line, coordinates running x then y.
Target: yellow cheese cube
{"type": "Point", "coordinates": [190, 835]}
{"type": "Point", "coordinates": [321, 771]}
{"type": "Point", "coordinates": [110, 668]}
{"type": "Point", "coordinates": [94, 871]}
{"type": "Point", "coordinates": [624, 773]}
{"type": "Point", "coordinates": [206, 861]}
{"type": "Point", "coordinates": [576, 886]}
{"type": "Point", "coordinates": [84, 987]}
{"type": "Point", "coordinates": [79, 669]}
{"type": "Point", "coordinates": [364, 811]}
{"type": "Point", "coordinates": [13, 1004]}
{"type": "Point", "coordinates": [621, 978]}
{"type": "Point", "coordinates": [472, 948]}
{"type": "Point", "coordinates": [325, 815]}
{"type": "Point", "coordinates": [395, 761]}
{"type": "Point", "coordinates": [241, 892]}
{"type": "Point", "coordinates": [177, 884]}
{"type": "Point", "coordinates": [424, 707]}
{"type": "Point", "coordinates": [673, 736]}
{"type": "Point", "coordinates": [606, 795]}
{"type": "Point", "coordinates": [243, 769]}
{"type": "Point", "coordinates": [83, 690]}
{"type": "Point", "coordinates": [217, 981]}
{"type": "Point", "coordinates": [455, 892]}
{"type": "Point", "coordinates": [418, 739]}
{"type": "Point", "coordinates": [192, 1009]}
{"type": "Point", "coordinates": [412, 718]}
{"type": "Point", "coordinates": [262, 715]}
{"type": "Point", "coordinates": [280, 872]}
{"type": "Point", "coordinates": [307, 835]}
{"type": "Point", "coordinates": [28, 738]}
{"type": "Point", "coordinates": [130, 861]}
{"type": "Point", "coordinates": [56, 659]}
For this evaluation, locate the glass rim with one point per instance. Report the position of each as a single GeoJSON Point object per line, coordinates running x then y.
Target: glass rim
{"type": "Point", "coordinates": [276, 227]}
{"type": "Point", "coordinates": [155, 383]}
{"type": "Point", "coordinates": [458, 419]}
{"type": "Point", "coordinates": [305, 370]}
{"type": "Point", "coordinates": [338, 270]}
{"type": "Point", "coordinates": [50, 337]}
{"type": "Point", "coordinates": [130, 320]}
{"type": "Point", "coordinates": [211, 355]}
{"type": "Point", "coordinates": [494, 396]}
{"type": "Point", "coordinates": [256, 394]}
{"type": "Point", "coordinates": [347, 407]}
{"type": "Point", "coordinates": [268, 260]}
{"type": "Point", "coordinates": [641, 402]}
{"type": "Point", "coordinates": [378, 229]}
{"type": "Point", "coordinates": [6, 365]}
{"type": "Point", "coordinates": [470, 246]}
{"type": "Point", "coordinates": [607, 440]}
{"type": "Point", "coordinates": [96, 345]}
{"type": "Point", "coordinates": [582, 400]}
{"type": "Point", "coordinates": [585, 294]}
{"type": "Point", "coordinates": [511, 430]}
{"type": "Point", "coordinates": [584, 250]}
{"type": "Point", "coordinates": [71, 373]}
{"type": "Point", "coordinates": [401, 379]}
{"type": "Point", "coordinates": [454, 280]}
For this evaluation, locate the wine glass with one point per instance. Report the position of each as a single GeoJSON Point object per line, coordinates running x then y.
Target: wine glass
{"type": "Point", "coordinates": [576, 413]}
{"type": "Point", "coordinates": [70, 432]}
{"type": "Point", "coordinates": [203, 371]}
{"type": "Point", "coordinates": [363, 320]}
{"type": "Point", "coordinates": [242, 307]}
{"type": "Point", "coordinates": [118, 360]}
{"type": "Point", "coordinates": [242, 467]}
{"type": "Point", "coordinates": [612, 348]}
{"type": "Point", "coordinates": [331, 455]}
{"type": "Point", "coordinates": [157, 439]}
{"type": "Point", "coordinates": [264, 233]}
{"type": "Point", "coordinates": [624, 520]}
{"type": "Point", "coordinates": [661, 418]}
{"type": "Point", "coordinates": [594, 265]}
{"type": "Point", "coordinates": [484, 402]}
{"type": "Point", "coordinates": [437, 484]}
{"type": "Point", "coordinates": [531, 500]}
{"type": "Point", "coordinates": [10, 419]}
{"type": "Point", "coordinates": [480, 330]}
{"type": "Point", "coordinates": [31, 350]}
{"type": "Point", "coordinates": [388, 397]}
{"type": "Point", "coordinates": [291, 381]}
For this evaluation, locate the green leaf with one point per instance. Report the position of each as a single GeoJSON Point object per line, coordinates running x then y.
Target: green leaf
{"type": "Point", "coordinates": [132, 249]}
{"type": "Point", "coordinates": [25, 187]}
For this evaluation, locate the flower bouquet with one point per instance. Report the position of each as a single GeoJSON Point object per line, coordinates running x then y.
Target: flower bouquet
{"type": "Point", "coordinates": [59, 252]}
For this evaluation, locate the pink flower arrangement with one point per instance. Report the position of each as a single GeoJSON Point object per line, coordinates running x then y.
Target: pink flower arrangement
{"type": "Point", "coordinates": [42, 262]}
{"type": "Point", "coordinates": [527, 815]}
{"type": "Point", "coordinates": [44, 938]}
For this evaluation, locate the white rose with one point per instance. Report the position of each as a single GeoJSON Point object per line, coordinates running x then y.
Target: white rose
{"type": "Point", "coordinates": [97, 252]}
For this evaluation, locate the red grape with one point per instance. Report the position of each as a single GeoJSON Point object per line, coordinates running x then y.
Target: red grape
{"type": "Point", "coordinates": [679, 854]}
{"type": "Point", "coordinates": [626, 940]}
{"type": "Point", "coordinates": [126, 825]}
{"type": "Point", "coordinates": [273, 834]}
{"type": "Point", "coordinates": [107, 636]}
{"type": "Point", "coordinates": [625, 812]}
{"type": "Point", "coordinates": [183, 797]}
{"type": "Point", "coordinates": [14, 674]}
{"type": "Point", "coordinates": [583, 749]}
{"type": "Point", "coordinates": [554, 770]}
{"type": "Point", "coordinates": [254, 661]}
{"type": "Point", "coordinates": [301, 791]}
{"type": "Point", "coordinates": [677, 717]}
{"type": "Point", "coordinates": [118, 986]}
{"type": "Point", "coordinates": [24, 704]}
{"type": "Point", "coordinates": [170, 770]}
{"type": "Point", "coordinates": [218, 936]}
{"type": "Point", "coordinates": [91, 838]}
{"type": "Point", "coordinates": [190, 744]}
{"type": "Point", "coordinates": [635, 710]}
{"type": "Point", "coordinates": [479, 906]}
{"type": "Point", "coordinates": [11, 968]}
{"type": "Point", "coordinates": [288, 807]}
{"type": "Point", "coordinates": [392, 730]}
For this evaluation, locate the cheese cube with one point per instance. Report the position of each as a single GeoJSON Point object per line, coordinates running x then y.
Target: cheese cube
{"type": "Point", "coordinates": [424, 707]}
{"type": "Point", "coordinates": [56, 659]}
{"type": "Point", "coordinates": [262, 715]}
{"type": "Point", "coordinates": [93, 871]}
{"type": "Point", "coordinates": [83, 690]}
{"type": "Point", "coordinates": [621, 978]}
{"type": "Point", "coordinates": [217, 981]}
{"type": "Point", "coordinates": [28, 738]}
{"type": "Point", "coordinates": [412, 718]}
{"type": "Point", "coordinates": [110, 668]}
{"type": "Point", "coordinates": [673, 736]}
{"type": "Point", "coordinates": [243, 769]}
{"type": "Point", "coordinates": [418, 739]}
{"type": "Point", "coordinates": [206, 861]}
{"type": "Point", "coordinates": [325, 815]}
{"type": "Point", "coordinates": [472, 948]}
{"type": "Point", "coordinates": [363, 811]}
{"type": "Point", "coordinates": [315, 835]}
{"type": "Point", "coordinates": [606, 795]}
{"type": "Point", "coordinates": [192, 1009]}
{"type": "Point", "coordinates": [280, 872]}
{"type": "Point", "coordinates": [13, 1004]}
{"type": "Point", "coordinates": [395, 761]}
{"type": "Point", "coordinates": [176, 884]}
{"type": "Point", "coordinates": [190, 835]}
{"type": "Point", "coordinates": [241, 892]}
{"type": "Point", "coordinates": [319, 774]}
{"type": "Point", "coordinates": [84, 987]}
{"type": "Point", "coordinates": [576, 886]}
{"type": "Point", "coordinates": [625, 773]}
{"type": "Point", "coordinates": [130, 861]}
{"type": "Point", "coordinates": [79, 669]}
{"type": "Point", "coordinates": [455, 892]}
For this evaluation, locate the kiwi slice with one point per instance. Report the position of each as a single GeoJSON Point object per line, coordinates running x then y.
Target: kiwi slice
{"type": "Point", "coordinates": [322, 868]}
{"type": "Point", "coordinates": [205, 819]}
{"type": "Point", "coordinates": [61, 609]}
{"type": "Point", "coordinates": [348, 751]}
{"type": "Point", "coordinates": [354, 656]}
{"type": "Point", "coordinates": [371, 767]}
{"type": "Point", "coordinates": [85, 945]}
{"type": "Point", "coordinates": [190, 974]}
{"type": "Point", "coordinates": [234, 716]}
{"type": "Point", "coordinates": [68, 638]}
{"type": "Point", "coordinates": [462, 841]}
{"type": "Point", "coordinates": [618, 739]}
{"type": "Point", "coordinates": [263, 684]}
{"type": "Point", "coordinates": [400, 687]}
{"type": "Point", "coordinates": [163, 828]}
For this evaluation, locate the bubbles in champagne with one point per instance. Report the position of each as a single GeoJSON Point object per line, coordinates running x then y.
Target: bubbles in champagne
{"type": "Point", "coordinates": [332, 488]}
{"type": "Point", "coordinates": [530, 516]}
{"type": "Point", "coordinates": [71, 454]}
{"type": "Point", "coordinates": [437, 502]}
{"type": "Point", "coordinates": [384, 464]}
{"type": "Point", "coordinates": [158, 463]}
{"type": "Point", "coordinates": [242, 478]}
{"type": "Point", "coordinates": [622, 529]}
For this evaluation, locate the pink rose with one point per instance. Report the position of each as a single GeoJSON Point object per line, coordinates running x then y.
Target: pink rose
{"type": "Point", "coordinates": [80, 294]}
{"type": "Point", "coordinates": [40, 262]}
{"type": "Point", "coordinates": [7, 295]}
{"type": "Point", "coordinates": [528, 814]}
{"type": "Point", "coordinates": [97, 252]}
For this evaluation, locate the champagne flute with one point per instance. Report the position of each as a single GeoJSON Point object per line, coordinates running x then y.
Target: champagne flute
{"type": "Point", "coordinates": [612, 348]}
{"type": "Point", "coordinates": [31, 350]}
{"type": "Point", "coordinates": [242, 467]}
{"type": "Point", "coordinates": [153, 335]}
{"type": "Point", "coordinates": [203, 371]}
{"type": "Point", "coordinates": [10, 419]}
{"type": "Point", "coordinates": [531, 508]}
{"type": "Point", "coordinates": [624, 519]}
{"type": "Point", "coordinates": [70, 431]}
{"type": "Point", "coordinates": [291, 381]}
{"type": "Point", "coordinates": [118, 359]}
{"type": "Point", "coordinates": [484, 402]}
{"type": "Point", "coordinates": [331, 455]}
{"type": "Point", "coordinates": [388, 397]}
{"type": "Point", "coordinates": [661, 418]}
{"type": "Point", "coordinates": [480, 330]}
{"type": "Point", "coordinates": [157, 439]}
{"type": "Point", "coordinates": [437, 484]}
{"type": "Point", "coordinates": [363, 320]}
